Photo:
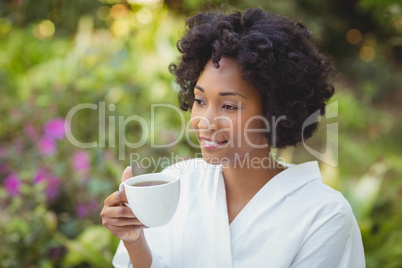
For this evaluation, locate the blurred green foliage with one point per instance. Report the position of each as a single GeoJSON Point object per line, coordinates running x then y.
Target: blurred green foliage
{"type": "Point", "coordinates": [56, 55]}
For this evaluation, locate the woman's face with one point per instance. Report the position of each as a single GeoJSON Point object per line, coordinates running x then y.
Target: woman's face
{"type": "Point", "coordinates": [227, 115]}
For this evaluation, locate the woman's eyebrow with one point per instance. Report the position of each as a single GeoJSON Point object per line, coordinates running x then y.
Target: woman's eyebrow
{"type": "Point", "coordinates": [231, 93]}
{"type": "Point", "coordinates": [227, 93]}
{"type": "Point", "coordinates": [200, 88]}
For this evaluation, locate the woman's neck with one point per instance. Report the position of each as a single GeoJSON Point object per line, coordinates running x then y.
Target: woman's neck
{"type": "Point", "coordinates": [244, 179]}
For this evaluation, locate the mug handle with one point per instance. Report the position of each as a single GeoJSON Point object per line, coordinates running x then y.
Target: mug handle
{"type": "Point", "coordinates": [121, 188]}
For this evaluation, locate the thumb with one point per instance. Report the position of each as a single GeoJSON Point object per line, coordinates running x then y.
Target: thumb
{"type": "Point", "coordinates": [127, 173]}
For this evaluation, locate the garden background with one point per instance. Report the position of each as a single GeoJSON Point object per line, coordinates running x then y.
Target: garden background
{"type": "Point", "coordinates": [114, 55]}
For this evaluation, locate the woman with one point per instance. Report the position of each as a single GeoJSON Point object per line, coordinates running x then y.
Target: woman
{"type": "Point", "coordinates": [251, 80]}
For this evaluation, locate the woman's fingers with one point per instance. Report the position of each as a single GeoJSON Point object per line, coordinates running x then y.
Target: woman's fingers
{"type": "Point", "coordinates": [116, 199]}
{"type": "Point", "coordinates": [113, 217]}
{"type": "Point", "coordinates": [119, 197]}
{"type": "Point", "coordinates": [121, 222]}
{"type": "Point", "coordinates": [118, 212]}
{"type": "Point", "coordinates": [127, 173]}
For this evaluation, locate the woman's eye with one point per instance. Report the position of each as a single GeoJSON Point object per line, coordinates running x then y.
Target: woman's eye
{"type": "Point", "coordinates": [229, 107]}
{"type": "Point", "coordinates": [198, 101]}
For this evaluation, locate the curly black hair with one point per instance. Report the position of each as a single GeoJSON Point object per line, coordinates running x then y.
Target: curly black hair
{"type": "Point", "coordinates": [278, 56]}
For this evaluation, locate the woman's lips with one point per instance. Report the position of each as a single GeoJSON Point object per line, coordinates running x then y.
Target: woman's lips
{"type": "Point", "coordinates": [209, 144]}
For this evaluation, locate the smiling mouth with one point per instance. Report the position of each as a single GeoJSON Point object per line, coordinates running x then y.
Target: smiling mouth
{"type": "Point", "coordinates": [211, 144]}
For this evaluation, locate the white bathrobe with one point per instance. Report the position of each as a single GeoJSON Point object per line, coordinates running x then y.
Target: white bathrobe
{"type": "Point", "coordinates": [293, 221]}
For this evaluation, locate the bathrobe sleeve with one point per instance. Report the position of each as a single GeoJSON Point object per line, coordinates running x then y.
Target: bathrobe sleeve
{"type": "Point", "coordinates": [333, 241]}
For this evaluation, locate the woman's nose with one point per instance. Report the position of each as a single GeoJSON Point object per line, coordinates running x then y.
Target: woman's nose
{"type": "Point", "coordinates": [207, 120]}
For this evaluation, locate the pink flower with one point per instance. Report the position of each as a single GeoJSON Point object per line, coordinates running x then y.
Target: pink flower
{"type": "Point", "coordinates": [41, 175]}
{"type": "Point", "coordinates": [81, 210]}
{"type": "Point", "coordinates": [46, 146]}
{"type": "Point", "coordinates": [52, 183]}
{"type": "Point", "coordinates": [12, 184]}
{"type": "Point", "coordinates": [81, 161]}
{"type": "Point", "coordinates": [52, 187]}
{"type": "Point", "coordinates": [54, 129]}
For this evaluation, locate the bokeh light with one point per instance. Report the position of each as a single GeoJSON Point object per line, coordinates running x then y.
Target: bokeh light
{"type": "Point", "coordinates": [144, 15]}
{"type": "Point", "coordinates": [120, 27]}
{"type": "Point", "coordinates": [145, 2]}
{"type": "Point", "coordinates": [44, 29]}
{"type": "Point", "coordinates": [118, 11]}
{"type": "Point", "coordinates": [354, 36]}
{"type": "Point", "coordinates": [367, 53]}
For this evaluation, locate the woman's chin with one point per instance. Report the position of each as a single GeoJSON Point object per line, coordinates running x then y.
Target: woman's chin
{"type": "Point", "coordinates": [214, 158]}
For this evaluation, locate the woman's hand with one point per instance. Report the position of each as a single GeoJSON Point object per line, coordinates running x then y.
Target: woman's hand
{"type": "Point", "coordinates": [119, 218]}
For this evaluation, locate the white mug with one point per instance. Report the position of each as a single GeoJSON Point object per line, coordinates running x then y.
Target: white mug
{"type": "Point", "coordinates": [153, 205]}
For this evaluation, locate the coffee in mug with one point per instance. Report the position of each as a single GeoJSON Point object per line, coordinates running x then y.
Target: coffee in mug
{"type": "Point", "coordinates": [149, 183]}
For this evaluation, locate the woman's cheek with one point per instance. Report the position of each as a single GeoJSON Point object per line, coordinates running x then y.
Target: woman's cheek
{"type": "Point", "coordinates": [193, 118]}
{"type": "Point", "coordinates": [252, 133]}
